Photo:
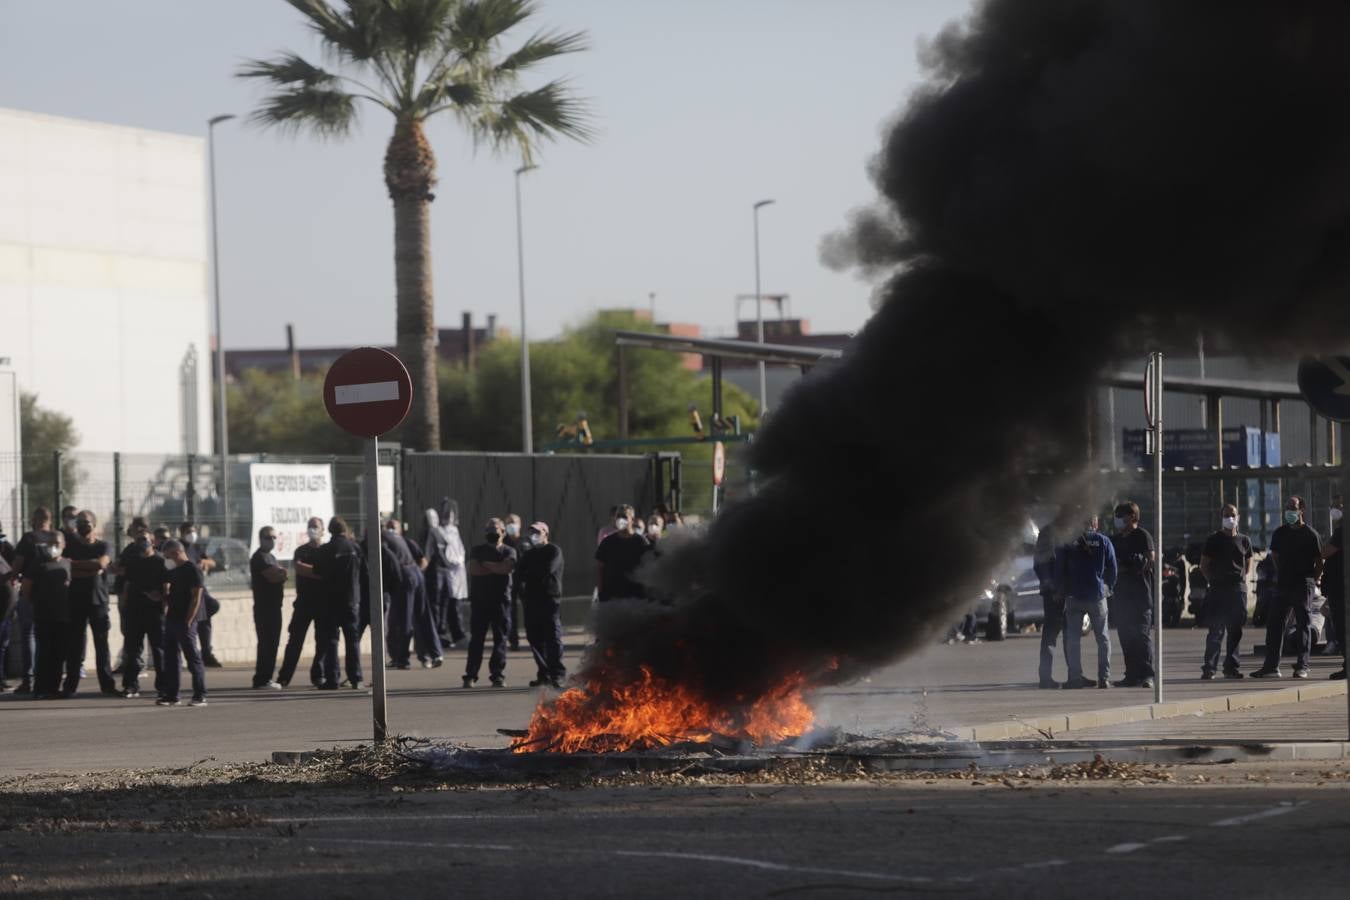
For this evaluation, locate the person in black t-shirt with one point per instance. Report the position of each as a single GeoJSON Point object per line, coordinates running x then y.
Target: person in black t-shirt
{"type": "Point", "coordinates": [491, 565]}
{"type": "Point", "coordinates": [142, 572]}
{"type": "Point", "coordinates": [183, 609]}
{"type": "Point", "coordinates": [617, 559]}
{"type": "Point", "coordinates": [305, 609]}
{"type": "Point", "coordinates": [341, 569]}
{"type": "Point", "coordinates": [23, 569]}
{"type": "Point", "coordinates": [1297, 551]}
{"type": "Point", "coordinates": [196, 552]}
{"type": "Point", "coordinates": [1225, 562]}
{"type": "Point", "coordinates": [89, 558]}
{"type": "Point", "coordinates": [268, 581]}
{"type": "Point", "coordinates": [1132, 601]}
{"type": "Point", "coordinates": [9, 598]}
{"type": "Point", "coordinates": [50, 595]}
{"type": "Point", "coordinates": [540, 575]}
{"type": "Point", "coordinates": [1333, 578]}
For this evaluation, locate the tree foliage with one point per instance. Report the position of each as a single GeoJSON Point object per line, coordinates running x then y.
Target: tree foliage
{"type": "Point", "coordinates": [44, 432]}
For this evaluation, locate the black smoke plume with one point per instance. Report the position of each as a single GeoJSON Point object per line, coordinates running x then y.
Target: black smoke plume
{"type": "Point", "coordinates": [1073, 182]}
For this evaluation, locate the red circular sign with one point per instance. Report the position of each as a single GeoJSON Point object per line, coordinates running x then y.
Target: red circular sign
{"type": "Point", "coordinates": [719, 463]}
{"type": "Point", "coordinates": [367, 392]}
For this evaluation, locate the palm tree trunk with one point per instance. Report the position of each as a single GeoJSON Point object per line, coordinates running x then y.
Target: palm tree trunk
{"type": "Point", "coordinates": [410, 173]}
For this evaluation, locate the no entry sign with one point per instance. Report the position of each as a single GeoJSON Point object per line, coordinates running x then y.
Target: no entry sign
{"type": "Point", "coordinates": [367, 392]}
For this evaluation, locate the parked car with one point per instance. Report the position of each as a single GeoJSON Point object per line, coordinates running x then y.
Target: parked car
{"type": "Point", "coordinates": [1013, 599]}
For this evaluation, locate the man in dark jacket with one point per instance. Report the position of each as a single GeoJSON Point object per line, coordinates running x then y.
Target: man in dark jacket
{"type": "Point", "coordinates": [50, 594]}
{"type": "Point", "coordinates": [540, 574]}
{"type": "Point", "coordinates": [1297, 551]}
{"type": "Point", "coordinates": [1132, 600]}
{"type": "Point", "coordinates": [142, 578]}
{"type": "Point", "coordinates": [341, 569]}
{"type": "Point", "coordinates": [89, 558]}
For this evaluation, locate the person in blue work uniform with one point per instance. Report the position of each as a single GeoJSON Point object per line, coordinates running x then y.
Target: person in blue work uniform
{"type": "Point", "coordinates": [1297, 551]}
{"type": "Point", "coordinates": [341, 569]}
{"type": "Point", "coordinates": [426, 637]}
{"type": "Point", "coordinates": [89, 559]}
{"type": "Point", "coordinates": [1225, 561]}
{"type": "Point", "coordinates": [268, 580]}
{"type": "Point", "coordinates": [1132, 597]}
{"type": "Point", "coordinates": [1085, 569]}
{"type": "Point", "coordinates": [189, 537]}
{"type": "Point", "coordinates": [184, 609]}
{"type": "Point", "coordinates": [1048, 540]}
{"type": "Point", "coordinates": [400, 588]}
{"type": "Point", "coordinates": [305, 608]}
{"type": "Point", "coordinates": [491, 566]}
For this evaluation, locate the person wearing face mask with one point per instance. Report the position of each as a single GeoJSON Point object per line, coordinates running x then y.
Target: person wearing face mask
{"type": "Point", "coordinates": [196, 554]}
{"type": "Point", "coordinates": [1085, 570]}
{"type": "Point", "coordinates": [89, 558]}
{"type": "Point", "coordinates": [183, 610]}
{"type": "Point", "coordinates": [1333, 578]}
{"type": "Point", "coordinates": [51, 613]}
{"type": "Point", "coordinates": [143, 608]}
{"type": "Point", "coordinates": [1226, 561]}
{"type": "Point", "coordinates": [516, 541]}
{"type": "Point", "coordinates": [305, 608]}
{"type": "Point", "coordinates": [541, 577]}
{"type": "Point", "coordinates": [656, 526]}
{"type": "Point", "coordinates": [447, 583]}
{"type": "Point", "coordinates": [24, 569]}
{"type": "Point", "coordinates": [68, 515]}
{"type": "Point", "coordinates": [268, 581]}
{"type": "Point", "coordinates": [1132, 600]}
{"type": "Point", "coordinates": [491, 566]}
{"type": "Point", "coordinates": [617, 560]}
{"type": "Point", "coordinates": [1297, 551]}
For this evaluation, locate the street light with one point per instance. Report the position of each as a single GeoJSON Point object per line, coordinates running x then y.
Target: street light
{"type": "Point", "coordinates": [223, 441]}
{"type": "Point", "coordinates": [526, 431]}
{"type": "Point", "coordinates": [759, 316]}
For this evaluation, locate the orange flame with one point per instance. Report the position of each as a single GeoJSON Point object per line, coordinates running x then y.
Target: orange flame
{"type": "Point", "coordinates": [653, 712]}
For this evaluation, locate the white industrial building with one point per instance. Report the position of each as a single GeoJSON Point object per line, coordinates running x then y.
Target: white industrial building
{"type": "Point", "coordinates": [103, 280]}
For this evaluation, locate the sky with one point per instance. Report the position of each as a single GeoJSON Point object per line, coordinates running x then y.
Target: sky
{"type": "Point", "coordinates": [702, 108]}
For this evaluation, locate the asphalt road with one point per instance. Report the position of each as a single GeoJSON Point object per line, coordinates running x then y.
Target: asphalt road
{"type": "Point", "coordinates": [946, 685]}
{"type": "Point", "coordinates": [834, 840]}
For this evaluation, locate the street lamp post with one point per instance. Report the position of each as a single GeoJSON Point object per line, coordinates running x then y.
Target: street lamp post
{"type": "Point", "coordinates": [526, 429]}
{"type": "Point", "coordinates": [223, 424]}
{"type": "Point", "coordinates": [759, 316]}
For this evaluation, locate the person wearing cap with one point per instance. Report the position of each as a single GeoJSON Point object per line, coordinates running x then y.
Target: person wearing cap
{"type": "Point", "coordinates": [541, 578]}
{"type": "Point", "coordinates": [491, 565]}
{"type": "Point", "coordinates": [1225, 561]}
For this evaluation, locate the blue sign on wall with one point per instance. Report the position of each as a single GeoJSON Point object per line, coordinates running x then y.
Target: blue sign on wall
{"type": "Point", "coordinates": [1193, 448]}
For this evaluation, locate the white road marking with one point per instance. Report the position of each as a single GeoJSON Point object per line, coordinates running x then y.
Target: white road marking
{"type": "Point", "coordinates": [374, 392]}
{"type": "Point", "coordinates": [1168, 839]}
{"type": "Point", "coordinates": [770, 866]}
{"type": "Point", "coordinates": [1125, 848]}
{"type": "Point", "coordinates": [1263, 814]}
{"type": "Point", "coordinates": [366, 842]}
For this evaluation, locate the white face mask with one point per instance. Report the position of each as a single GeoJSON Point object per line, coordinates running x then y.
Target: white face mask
{"type": "Point", "coordinates": [621, 523]}
{"type": "Point", "coordinates": [170, 565]}
{"type": "Point", "coordinates": [190, 537]}
{"type": "Point", "coordinates": [653, 530]}
{"type": "Point", "coordinates": [53, 551]}
{"type": "Point", "coordinates": [1336, 515]}
{"type": "Point", "coordinates": [512, 529]}
{"type": "Point", "coordinates": [315, 533]}
{"type": "Point", "coordinates": [70, 524]}
{"type": "Point", "coordinates": [1230, 522]}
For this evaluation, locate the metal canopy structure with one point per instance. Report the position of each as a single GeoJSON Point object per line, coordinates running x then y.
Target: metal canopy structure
{"type": "Point", "coordinates": [716, 350]}
{"type": "Point", "coordinates": [1208, 387]}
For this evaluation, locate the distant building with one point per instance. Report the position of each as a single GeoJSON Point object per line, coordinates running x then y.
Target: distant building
{"type": "Point", "coordinates": [102, 233]}
{"type": "Point", "coordinates": [453, 345]}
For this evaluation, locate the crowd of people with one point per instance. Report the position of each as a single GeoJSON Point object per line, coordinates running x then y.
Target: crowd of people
{"type": "Point", "coordinates": [1109, 579]}
{"type": "Point", "coordinates": [56, 586]}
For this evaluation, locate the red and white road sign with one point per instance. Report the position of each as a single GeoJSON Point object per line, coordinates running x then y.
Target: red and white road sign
{"type": "Point", "coordinates": [719, 463]}
{"type": "Point", "coordinates": [367, 392]}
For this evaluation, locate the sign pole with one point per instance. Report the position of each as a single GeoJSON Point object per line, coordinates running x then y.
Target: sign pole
{"type": "Point", "coordinates": [370, 487]}
{"type": "Point", "coordinates": [1156, 402]}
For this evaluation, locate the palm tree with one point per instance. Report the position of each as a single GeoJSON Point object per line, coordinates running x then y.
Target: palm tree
{"type": "Point", "coordinates": [416, 59]}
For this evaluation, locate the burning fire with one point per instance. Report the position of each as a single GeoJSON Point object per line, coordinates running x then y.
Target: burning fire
{"type": "Point", "coordinates": [654, 712]}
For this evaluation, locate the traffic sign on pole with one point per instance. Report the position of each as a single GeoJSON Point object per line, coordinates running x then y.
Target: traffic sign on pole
{"type": "Point", "coordinates": [368, 392]}
{"type": "Point", "coordinates": [1325, 383]}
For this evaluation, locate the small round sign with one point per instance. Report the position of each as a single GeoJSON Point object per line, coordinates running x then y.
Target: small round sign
{"type": "Point", "coordinates": [367, 392]}
{"type": "Point", "coordinates": [719, 463]}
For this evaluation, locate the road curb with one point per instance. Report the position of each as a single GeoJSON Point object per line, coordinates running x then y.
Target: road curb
{"type": "Point", "coordinates": [995, 755]}
{"type": "Point", "coordinates": [1051, 726]}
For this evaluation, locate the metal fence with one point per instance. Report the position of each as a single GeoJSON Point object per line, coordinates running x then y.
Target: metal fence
{"type": "Point", "coordinates": [572, 493]}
